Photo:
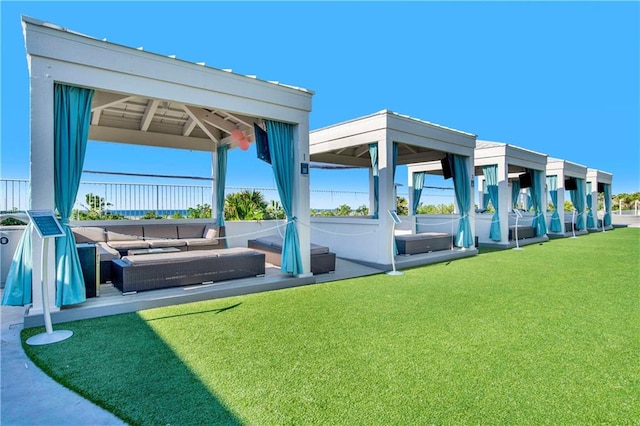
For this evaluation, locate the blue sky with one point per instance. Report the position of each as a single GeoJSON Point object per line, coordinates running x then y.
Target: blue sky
{"type": "Point", "coordinates": [557, 78]}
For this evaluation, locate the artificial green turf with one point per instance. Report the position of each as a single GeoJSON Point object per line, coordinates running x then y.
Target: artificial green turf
{"type": "Point", "coordinates": [546, 335]}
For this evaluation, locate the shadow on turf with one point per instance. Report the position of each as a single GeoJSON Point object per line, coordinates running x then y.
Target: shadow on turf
{"type": "Point", "coordinates": [217, 311]}
{"type": "Point", "coordinates": [125, 367]}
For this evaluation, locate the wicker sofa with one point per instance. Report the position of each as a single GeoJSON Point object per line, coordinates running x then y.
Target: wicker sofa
{"type": "Point", "coordinates": [115, 241]}
{"type": "Point", "coordinates": [155, 271]}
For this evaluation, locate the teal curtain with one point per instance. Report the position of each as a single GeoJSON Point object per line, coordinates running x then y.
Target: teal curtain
{"type": "Point", "coordinates": [17, 287]}
{"type": "Point", "coordinates": [577, 198]}
{"type": "Point", "coordinates": [491, 178]}
{"type": "Point", "coordinates": [418, 184]}
{"type": "Point", "coordinates": [552, 184]}
{"type": "Point", "coordinates": [72, 115]}
{"type": "Point", "coordinates": [607, 204]}
{"type": "Point", "coordinates": [221, 181]}
{"type": "Point", "coordinates": [284, 168]}
{"type": "Point", "coordinates": [462, 188]}
{"type": "Point", "coordinates": [591, 222]}
{"type": "Point", "coordinates": [515, 193]}
{"type": "Point", "coordinates": [373, 153]}
{"type": "Point", "coordinates": [539, 222]}
{"type": "Point", "coordinates": [529, 200]}
{"type": "Point", "coordinates": [485, 194]}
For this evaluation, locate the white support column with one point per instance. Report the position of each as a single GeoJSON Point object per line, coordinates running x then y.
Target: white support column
{"type": "Point", "coordinates": [372, 197]}
{"type": "Point", "coordinates": [504, 197]}
{"type": "Point", "coordinates": [480, 191]}
{"type": "Point", "coordinates": [594, 201]}
{"type": "Point", "coordinates": [412, 214]}
{"type": "Point", "coordinates": [214, 184]}
{"type": "Point", "coordinates": [41, 175]}
{"type": "Point", "coordinates": [410, 192]}
{"type": "Point", "coordinates": [544, 195]}
{"type": "Point", "coordinates": [511, 202]}
{"type": "Point", "coordinates": [560, 206]}
{"type": "Point", "coordinates": [387, 197]}
{"type": "Point", "coordinates": [301, 196]}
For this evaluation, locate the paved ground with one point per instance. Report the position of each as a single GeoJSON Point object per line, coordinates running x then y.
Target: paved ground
{"type": "Point", "coordinates": [30, 397]}
{"type": "Point", "coordinates": [628, 220]}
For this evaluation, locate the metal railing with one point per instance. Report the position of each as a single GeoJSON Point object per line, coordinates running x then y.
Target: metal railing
{"type": "Point", "coordinates": [134, 200]}
{"type": "Point", "coordinates": [14, 195]}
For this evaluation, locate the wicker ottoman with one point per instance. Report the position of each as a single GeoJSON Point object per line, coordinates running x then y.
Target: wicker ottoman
{"type": "Point", "coordinates": [163, 270]}
{"type": "Point", "coordinates": [423, 243]}
{"type": "Point", "coordinates": [524, 231]}
{"type": "Point", "coordinates": [322, 260]}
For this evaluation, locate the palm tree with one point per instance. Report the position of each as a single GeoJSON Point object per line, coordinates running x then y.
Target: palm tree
{"type": "Point", "coordinates": [401, 206]}
{"type": "Point", "coordinates": [245, 205]}
{"type": "Point", "coordinates": [275, 210]}
{"type": "Point", "coordinates": [363, 210]}
{"type": "Point", "coordinates": [343, 210]}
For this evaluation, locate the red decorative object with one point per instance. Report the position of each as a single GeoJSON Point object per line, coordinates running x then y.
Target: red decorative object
{"type": "Point", "coordinates": [244, 144]}
{"type": "Point", "coordinates": [237, 135]}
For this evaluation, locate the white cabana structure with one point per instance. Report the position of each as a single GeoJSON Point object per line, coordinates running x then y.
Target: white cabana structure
{"type": "Point", "coordinates": [503, 171]}
{"type": "Point", "coordinates": [379, 142]}
{"type": "Point", "coordinates": [563, 176]}
{"type": "Point", "coordinates": [598, 182]}
{"type": "Point", "coordinates": [84, 88]}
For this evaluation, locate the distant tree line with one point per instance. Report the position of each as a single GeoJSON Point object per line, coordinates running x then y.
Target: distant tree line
{"type": "Point", "coordinates": [251, 205]}
{"type": "Point", "coordinates": [628, 201]}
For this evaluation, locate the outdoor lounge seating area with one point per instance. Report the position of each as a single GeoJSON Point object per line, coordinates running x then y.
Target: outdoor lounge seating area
{"type": "Point", "coordinates": [322, 260]}
{"type": "Point", "coordinates": [118, 241]}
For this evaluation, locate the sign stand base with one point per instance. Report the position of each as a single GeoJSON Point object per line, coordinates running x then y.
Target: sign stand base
{"type": "Point", "coordinates": [47, 338]}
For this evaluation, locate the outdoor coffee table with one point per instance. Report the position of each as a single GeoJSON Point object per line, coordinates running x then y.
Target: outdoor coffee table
{"type": "Point", "coordinates": [152, 251]}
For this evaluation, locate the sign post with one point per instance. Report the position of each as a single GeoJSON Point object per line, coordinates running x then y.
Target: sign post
{"type": "Point", "coordinates": [396, 220]}
{"type": "Point", "coordinates": [48, 228]}
{"type": "Point", "coordinates": [518, 216]}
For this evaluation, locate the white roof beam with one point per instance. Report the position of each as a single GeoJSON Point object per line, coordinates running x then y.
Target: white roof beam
{"type": "Point", "coordinates": [340, 151]}
{"type": "Point", "coordinates": [410, 148]}
{"type": "Point", "coordinates": [149, 112]}
{"type": "Point", "coordinates": [198, 115]}
{"type": "Point", "coordinates": [95, 117]}
{"type": "Point", "coordinates": [102, 100]}
{"type": "Point", "coordinates": [360, 152]}
{"type": "Point", "coordinates": [218, 122]}
{"type": "Point", "coordinates": [242, 119]}
{"type": "Point", "coordinates": [188, 127]}
{"type": "Point", "coordinates": [137, 137]}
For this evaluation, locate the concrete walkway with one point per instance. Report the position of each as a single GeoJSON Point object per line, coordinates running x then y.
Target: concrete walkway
{"type": "Point", "coordinates": [30, 397]}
